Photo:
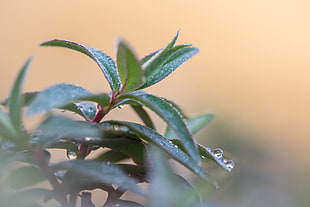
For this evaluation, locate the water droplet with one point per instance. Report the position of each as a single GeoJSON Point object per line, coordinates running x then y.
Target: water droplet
{"type": "Point", "coordinates": [71, 155]}
{"type": "Point", "coordinates": [229, 164]}
{"type": "Point", "coordinates": [107, 162]}
{"type": "Point", "coordinates": [218, 153]}
{"type": "Point", "coordinates": [87, 139]}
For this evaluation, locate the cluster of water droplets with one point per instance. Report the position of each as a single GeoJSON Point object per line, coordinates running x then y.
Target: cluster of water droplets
{"type": "Point", "coordinates": [218, 155]}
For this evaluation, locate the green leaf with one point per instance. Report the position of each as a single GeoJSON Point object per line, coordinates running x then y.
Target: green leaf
{"type": "Point", "coordinates": [166, 63]}
{"type": "Point", "coordinates": [54, 97]}
{"type": "Point", "coordinates": [168, 113]}
{"type": "Point", "coordinates": [25, 176]}
{"type": "Point", "coordinates": [112, 156]}
{"type": "Point", "coordinates": [103, 173]}
{"type": "Point", "coordinates": [166, 146]}
{"type": "Point", "coordinates": [143, 115]}
{"type": "Point", "coordinates": [132, 147]}
{"type": "Point", "coordinates": [59, 127]}
{"type": "Point", "coordinates": [87, 110]}
{"type": "Point", "coordinates": [106, 64]}
{"type": "Point", "coordinates": [149, 59]}
{"type": "Point", "coordinates": [129, 68]}
{"type": "Point", "coordinates": [6, 127]}
{"type": "Point", "coordinates": [194, 124]}
{"type": "Point", "coordinates": [15, 100]}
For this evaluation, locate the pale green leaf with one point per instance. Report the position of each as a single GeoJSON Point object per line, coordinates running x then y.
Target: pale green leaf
{"type": "Point", "coordinates": [54, 97]}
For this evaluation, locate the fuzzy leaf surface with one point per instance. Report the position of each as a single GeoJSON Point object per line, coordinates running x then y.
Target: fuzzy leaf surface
{"type": "Point", "coordinates": [54, 97]}
{"type": "Point", "coordinates": [129, 68]}
{"type": "Point", "coordinates": [106, 63]}
{"type": "Point", "coordinates": [168, 113]}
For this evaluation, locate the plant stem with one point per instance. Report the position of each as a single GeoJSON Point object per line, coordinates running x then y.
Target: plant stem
{"type": "Point", "coordinates": [43, 163]}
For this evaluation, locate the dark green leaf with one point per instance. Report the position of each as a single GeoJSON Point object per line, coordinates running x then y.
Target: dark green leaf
{"type": "Point", "coordinates": [104, 173]}
{"type": "Point", "coordinates": [103, 99]}
{"type": "Point", "coordinates": [129, 68]}
{"type": "Point", "coordinates": [132, 147]}
{"type": "Point", "coordinates": [59, 127]}
{"type": "Point", "coordinates": [112, 156]}
{"type": "Point", "coordinates": [106, 64]}
{"type": "Point", "coordinates": [25, 176]}
{"type": "Point", "coordinates": [54, 97]}
{"type": "Point", "coordinates": [15, 101]}
{"type": "Point", "coordinates": [166, 146]}
{"type": "Point", "coordinates": [170, 61]}
{"type": "Point", "coordinates": [194, 124]}
{"type": "Point", "coordinates": [143, 115]}
{"type": "Point", "coordinates": [170, 115]}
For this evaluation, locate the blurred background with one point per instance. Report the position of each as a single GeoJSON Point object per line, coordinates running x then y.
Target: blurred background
{"type": "Point", "coordinates": [252, 71]}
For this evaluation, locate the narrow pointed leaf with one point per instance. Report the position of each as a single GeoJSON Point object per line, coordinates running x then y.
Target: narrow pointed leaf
{"type": "Point", "coordinates": [106, 64]}
{"type": "Point", "coordinates": [129, 68]}
{"type": "Point", "coordinates": [25, 176]}
{"type": "Point", "coordinates": [107, 174]}
{"type": "Point", "coordinates": [170, 61]}
{"type": "Point", "coordinates": [217, 157]}
{"type": "Point", "coordinates": [166, 146]}
{"type": "Point", "coordinates": [6, 126]}
{"type": "Point", "coordinates": [194, 124]}
{"type": "Point", "coordinates": [168, 113]}
{"type": "Point", "coordinates": [54, 97]}
{"type": "Point", "coordinates": [15, 100]}
{"type": "Point", "coordinates": [149, 59]}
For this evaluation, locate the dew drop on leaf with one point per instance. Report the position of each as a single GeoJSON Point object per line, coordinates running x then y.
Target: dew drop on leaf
{"type": "Point", "coordinates": [71, 155]}
{"type": "Point", "coordinates": [229, 164]}
{"type": "Point", "coordinates": [218, 153]}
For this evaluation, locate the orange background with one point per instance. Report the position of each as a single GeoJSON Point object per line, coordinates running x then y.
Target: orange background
{"type": "Point", "coordinates": [253, 68]}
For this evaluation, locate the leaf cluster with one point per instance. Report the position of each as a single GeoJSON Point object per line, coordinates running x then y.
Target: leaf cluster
{"type": "Point", "coordinates": [25, 154]}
